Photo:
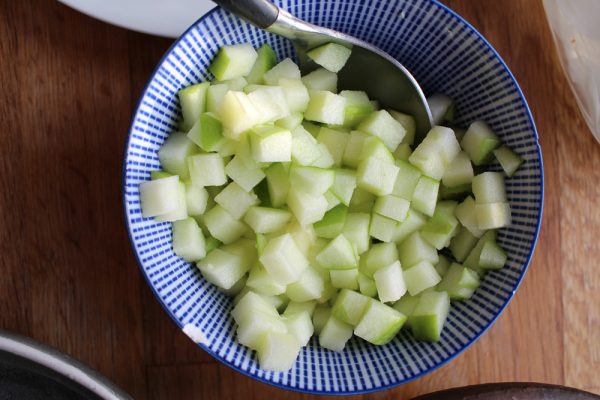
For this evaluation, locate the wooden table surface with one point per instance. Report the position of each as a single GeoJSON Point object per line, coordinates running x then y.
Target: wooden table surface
{"type": "Point", "coordinates": [68, 85]}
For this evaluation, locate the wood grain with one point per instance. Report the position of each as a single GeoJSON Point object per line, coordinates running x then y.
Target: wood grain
{"type": "Point", "coordinates": [68, 86]}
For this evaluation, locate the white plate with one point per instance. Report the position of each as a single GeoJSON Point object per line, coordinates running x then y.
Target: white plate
{"type": "Point", "coordinates": [158, 17]}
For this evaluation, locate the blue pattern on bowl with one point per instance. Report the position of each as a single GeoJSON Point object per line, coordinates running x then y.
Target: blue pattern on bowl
{"type": "Point", "coordinates": [446, 55]}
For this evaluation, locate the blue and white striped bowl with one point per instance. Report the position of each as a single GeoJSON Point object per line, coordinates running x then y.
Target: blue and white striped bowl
{"type": "Point", "coordinates": [446, 55]}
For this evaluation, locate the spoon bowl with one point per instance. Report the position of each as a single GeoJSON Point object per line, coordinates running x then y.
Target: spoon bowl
{"type": "Point", "coordinates": [368, 69]}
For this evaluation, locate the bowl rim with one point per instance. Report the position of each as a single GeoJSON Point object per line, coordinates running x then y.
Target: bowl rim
{"type": "Point", "coordinates": [61, 364]}
{"type": "Point", "coordinates": [491, 322]}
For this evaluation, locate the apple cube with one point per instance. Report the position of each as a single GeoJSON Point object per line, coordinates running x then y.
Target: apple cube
{"type": "Point", "coordinates": [338, 254]}
{"type": "Point", "coordinates": [174, 152]}
{"type": "Point", "coordinates": [283, 260]}
{"type": "Point", "coordinates": [325, 107]}
{"type": "Point", "coordinates": [379, 323]}
{"type": "Point", "coordinates": [349, 306]}
{"type": "Point", "coordinates": [390, 282]}
{"type": "Point", "coordinates": [335, 334]}
{"type": "Point", "coordinates": [429, 316]}
{"type": "Point", "coordinates": [376, 176]}
{"type": "Point", "coordinates": [384, 126]}
{"type": "Point", "coordinates": [188, 240]}
{"type": "Point", "coordinates": [421, 276]}
{"type": "Point", "coordinates": [207, 169]}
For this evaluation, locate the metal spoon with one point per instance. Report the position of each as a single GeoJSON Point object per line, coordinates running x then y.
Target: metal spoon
{"type": "Point", "coordinates": [368, 69]}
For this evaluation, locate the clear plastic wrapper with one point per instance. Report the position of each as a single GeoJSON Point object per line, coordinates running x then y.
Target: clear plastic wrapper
{"type": "Point", "coordinates": [575, 25]}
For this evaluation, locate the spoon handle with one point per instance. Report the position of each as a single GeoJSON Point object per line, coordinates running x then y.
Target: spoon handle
{"type": "Point", "coordinates": [261, 13]}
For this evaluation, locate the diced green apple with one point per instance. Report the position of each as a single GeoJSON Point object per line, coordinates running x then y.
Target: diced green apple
{"type": "Point", "coordinates": [222, 268]}
{"type": "Point", "coordinates": [290, 122]}
{"type": "Point", "coordinates": [392, 207]}
{"type": "Point", "coordinates": [344, 184]}
{"type": "Point", "coordinates": [266, 219]}
{"type": "Point", "coordinates": [179, 211]}
{"type": "Point", "coordinates": [332, 223]}
{"type": "Point", "coordinates": [462, 244]}
{"type": "Point", "coordinates": [331, 56]}
{"type": "Point", "coordinates": [413, 222]}
{"type": "Point", "coordinates": [492, 215]}
{"type": "Point", "coordinates": [380, 255]}
{"type": "Point", "coordinates": [361, 201]}
{"type": "Point", "coordinates": [406, 181]}
{"type": "Point", "coordinates": [193, 102]}
{"type": "Point", "coordinates": [223, 226]}
{"type": "Point", "coordinates": [271, 144]}
{"type": "Point", "coordinates": [379, 323]}
{"type": "Point", "coordinates": [408, 123]}
{"type": "Point", "coordinates": [421, 276]}
{"type": "Point", "coordinates": [390, 282]}
{"type": "Point", "coordinates": [305, 149]}
{"type": "Point", "coordinates": [321, 79]}
{"type": "Point", "coordinates": [214, 97]}
{"type": "Point", "coordinates": [335, 141]}
{"type": "Point", "coordinates": [382, 228]}
{"type": "Point", "coordinates": [376, 176]}
{"type": "Point", "coordinates": [207, 169]}
{"type": "Point", "coordinates": [479, 142]}
{"type": "Point", "coordinates": [334, 334]}
{"type": "Point", "coordinates": [384, 126]}
{"type": "Point", "coordinates": [233, 61]}
{"type": "Point", "coordinates": [300, 325]}
{"type": "Point", "coordinates": [311, 180]}
{"type": "Point", "coordinates": [173, 154]}
{"type": "Point", "coordinates": [159, 196]}
{"type": "Point", "coordinates": [246, 177]}
{"type": "Point", "coordinates": [271, 103]}
{"type": "Point", "coordinates": [402, 152]}
{"type": "Point", "coordinates": [459, 172]}
{"type": "Point", "coordinates": [278, 183]}
{"type": "Point", "coordinates": [260, 281]}
{"type": "Point", "coordinates": [358, 107]}
{"type": "Point", "coordinates": [320, 317]}
{"type": "Point", "coordinates": [367, 285]}
{"type": "Point", "coordinates": [238, 114]}
{"type": "Point", "coordinates": [295, 307]}
{"type": "Point", "coordinates": [325, 107]}
{"type": "Point", "coordinates": [196, 199]}
{"type": "Point", "coordinates": [354, 148]}
{"type": "Point", "coordinates": [492, 256]}
{"type": "Point", "coordinates": [441, 228]}
{"type": "Point", "coordinates": [338, 254]}
{"type": "Point", "coordinates": [459, 282]}
{"type": "Point", "coordinates": [349, 306]}
{"type": "Point", "coordinates": [188, 240]}
{"type": "Point", "coordinates": [285, 69]}
{"type": "Point", "coordinates": [236, 200]}
{"type": "Point", "coordinates": [465, 212]}
{"type": "Point", "coordinates": [442, 265]}
{"type": "Point", "coordinates": [356, 230]}
{"type": "Point", "coordinates": [416, 249]}
{"type": "Point", "coordinates": [344, 278]}
{"type": "Point", "coordinates": [309, 286]}
{"type": "Point", "coordinates": [296, 94]}
{"type": "Point", "coordinates": [266, 59]}
{"type": "Point", "coordinates": [429, 316]}
{"type": "Point", "coordinates": [488, 187]}
{"type": "Point", "coordinates": [508, 159]}
{"type": "Point", "coordinates": [278, 351]}
{"type": "Point", "coordinates": [283, 260]}
{"type": "Point", "coordinates": [425, 195]}
{"type": "Point", "coordinates": [207, 132]}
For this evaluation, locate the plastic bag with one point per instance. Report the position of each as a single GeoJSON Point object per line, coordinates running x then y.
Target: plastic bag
{"type": "Point", "coordinates": [575, 26]}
